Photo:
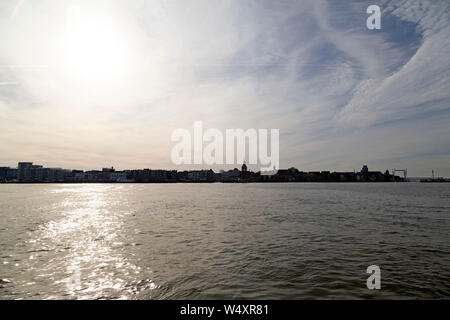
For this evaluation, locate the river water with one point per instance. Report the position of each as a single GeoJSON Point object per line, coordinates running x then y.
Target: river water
{"type": "Point", "coordinates": [224, 241]}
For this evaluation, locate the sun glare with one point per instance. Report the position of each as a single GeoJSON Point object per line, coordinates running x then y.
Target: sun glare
{"type": "Point", "coordinates": [95, 51]}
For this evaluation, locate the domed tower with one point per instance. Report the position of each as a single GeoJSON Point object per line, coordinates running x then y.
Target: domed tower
{"type": "Point", "coordinates": [365, 169]}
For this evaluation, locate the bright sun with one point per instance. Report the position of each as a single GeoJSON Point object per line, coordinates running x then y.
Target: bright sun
{"type": "Point", "coordinates": [95, 51]}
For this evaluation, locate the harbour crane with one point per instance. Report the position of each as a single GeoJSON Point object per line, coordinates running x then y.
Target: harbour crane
{"type": "Point", "coordinates": [405, 173]}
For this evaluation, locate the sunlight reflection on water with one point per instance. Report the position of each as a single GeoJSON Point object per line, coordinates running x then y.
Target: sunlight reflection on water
{"type": "Point", "coordinates": [86, 233]}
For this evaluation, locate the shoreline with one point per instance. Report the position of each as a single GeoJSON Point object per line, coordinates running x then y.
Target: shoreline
{"type": "Point", "coordinates": [218, 182]}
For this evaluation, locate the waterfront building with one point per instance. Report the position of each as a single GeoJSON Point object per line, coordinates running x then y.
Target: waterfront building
{"type": "Point", "coordinates": [182, 176]}
{"type": "Point", "coordinates": [35, 174]}
{"type": "Point", "coordinates": [3, 173]}
{"type": "Point", "coordinates": [28, 172]}
{"type": "Point", "coordinates": [23, 170]}
{"type": "Point", "coordinates": [158, 175]}
{"type": "Point", "coordinates": [118, 176]}
{"type": "Point", "coordinates": [106, 174]}
{"type": "Point", "coordinates": [230, 176]}
{"type": "Point", "coordinates": [78, 176]}
{"type": "Point", "coordinates": [12, 174]}
{"type": "Point", "coordinates": [244, 174]}
{"type": "Point", "coordinates": [365, 169]}
{"type": "Point", "coordinates": [94, 176]}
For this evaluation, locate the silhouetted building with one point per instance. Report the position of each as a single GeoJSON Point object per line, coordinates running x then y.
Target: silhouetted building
{"type": "Point", "coordinates": [245, 175]}
{"type": "Point", "coordinates": [118, 176]}
{"type": "Point", "coordinates": [78, 176]}
{"type": "Point", "coordinates": [3, 173]}
{"type": "Point", "coordinates": [94, 176]}
{"type": "Point", "coordinates": [229, 176]}
{"type": "Point", "coordinates": [12, 174]}
{"type": "Point", "coordinates": [106, 174]}
{"type": "Point", "coordinates": [23, 171]}
{"type": "Point", "coordinates": [27, 172]}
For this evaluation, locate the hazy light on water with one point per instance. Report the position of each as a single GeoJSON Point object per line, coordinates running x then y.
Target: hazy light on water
{"type": "Point", "coordinates": [86, 233]}
{"type": "Point", "coordinates": [250, 241]}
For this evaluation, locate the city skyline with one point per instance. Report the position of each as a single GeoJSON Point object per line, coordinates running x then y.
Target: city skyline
{"type": "Point", "coordinates": [29, 172]}
{"type": "Point", "coordinates": [85, 85]}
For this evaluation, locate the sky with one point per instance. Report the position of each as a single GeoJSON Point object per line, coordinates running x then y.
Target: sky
{"type": "Point", "coordinates": [91, 84]}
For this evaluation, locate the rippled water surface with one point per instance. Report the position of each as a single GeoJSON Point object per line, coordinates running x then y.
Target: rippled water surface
{"type": "Point", "coordinates": [223, 241]}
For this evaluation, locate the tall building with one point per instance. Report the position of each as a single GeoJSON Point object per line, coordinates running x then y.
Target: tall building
{"type": "Point", "coordinates": [24, 171]}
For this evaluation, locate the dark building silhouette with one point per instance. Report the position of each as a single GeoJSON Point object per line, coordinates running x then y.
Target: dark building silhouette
{"type": "Point", "coordinates": [27, 172]}
{"type": "Point", "coordinates": [23, 170]}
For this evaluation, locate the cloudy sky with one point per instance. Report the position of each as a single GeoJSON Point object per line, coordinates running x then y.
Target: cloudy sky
{"type": "Point", "coordinates": [87, 84]}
